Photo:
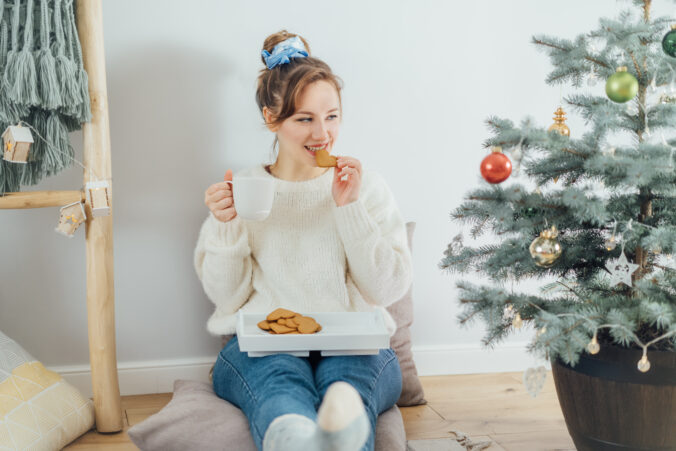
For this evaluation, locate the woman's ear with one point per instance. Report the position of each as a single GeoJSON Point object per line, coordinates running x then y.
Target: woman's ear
{"type": "Point", "coordinates": [269, 118]}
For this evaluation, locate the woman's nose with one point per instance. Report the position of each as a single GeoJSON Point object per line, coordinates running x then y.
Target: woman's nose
{"type": "Point", "coordinates": [319, 130]}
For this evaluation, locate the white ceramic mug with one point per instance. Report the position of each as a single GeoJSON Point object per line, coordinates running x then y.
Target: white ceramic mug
{"type": "Point", "coordinates": [253, 197]}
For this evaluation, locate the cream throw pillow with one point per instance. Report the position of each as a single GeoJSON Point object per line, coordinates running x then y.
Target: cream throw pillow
{"type": "Point", "coordinates": [38, 409]}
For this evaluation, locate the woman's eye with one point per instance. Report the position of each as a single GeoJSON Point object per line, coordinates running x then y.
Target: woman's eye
{"type": "Point", "coordinates": [333, 116]}
{"type": "Point", "coordinates": [305, 119]}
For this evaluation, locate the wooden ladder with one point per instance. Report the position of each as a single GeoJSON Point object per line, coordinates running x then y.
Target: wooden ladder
{"type": "Point", "coordinates": [99, 230]}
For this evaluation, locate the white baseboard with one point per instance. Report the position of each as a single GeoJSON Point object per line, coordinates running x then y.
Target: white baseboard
{"type": "Point", "coordinates": [158, 376]}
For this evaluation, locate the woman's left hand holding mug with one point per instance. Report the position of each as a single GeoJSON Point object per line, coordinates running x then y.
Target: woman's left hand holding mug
{"type": "Point", "coordinates": [218, 197]}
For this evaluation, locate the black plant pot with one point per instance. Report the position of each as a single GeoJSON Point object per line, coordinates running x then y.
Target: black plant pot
{"type": "Point", "coordinates": [609, 404]}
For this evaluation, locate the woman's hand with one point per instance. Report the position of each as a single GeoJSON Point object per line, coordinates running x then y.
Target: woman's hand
{"type": "Point", "coordinates": [346, 191]}
{"type": "Point", "coordinates": [218, 197]}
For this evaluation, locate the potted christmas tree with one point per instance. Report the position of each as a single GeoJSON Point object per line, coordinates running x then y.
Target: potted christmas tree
{"type": "Point", "coordinates": [594, 214]}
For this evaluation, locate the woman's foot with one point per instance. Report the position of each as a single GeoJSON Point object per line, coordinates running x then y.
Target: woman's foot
{"type": "Point", "coordinates": [342, 419]}
{"type": "Point", "coordinates": [342, 425]}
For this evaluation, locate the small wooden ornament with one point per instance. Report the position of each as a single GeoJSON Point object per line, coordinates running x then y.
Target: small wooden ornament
{"type": "Point", "coordinates": [71, 216]}
{"type": "Point", "coordinates": [16, 143]}
{"type": "Point", "coordinates": [98, 196]}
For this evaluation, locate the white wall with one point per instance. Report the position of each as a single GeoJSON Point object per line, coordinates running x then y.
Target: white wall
{"type": "Point", "coordinates": [420, 78]}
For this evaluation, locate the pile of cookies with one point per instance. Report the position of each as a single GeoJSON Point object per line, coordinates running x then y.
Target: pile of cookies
{"type": "Point", "coordinates": [283, 321]}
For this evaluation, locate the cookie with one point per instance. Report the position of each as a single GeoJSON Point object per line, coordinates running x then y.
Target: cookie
{"type": "Point", "coordinates": [307, 325]}
{"type": "Point", "coordinates": [279, 329]}
{"type": "Point", "coordinates": [264, 325]}
{"type": "Point", "coordinates": [280, 313]}
{"type": "Point", "coordinates": [324, 159]}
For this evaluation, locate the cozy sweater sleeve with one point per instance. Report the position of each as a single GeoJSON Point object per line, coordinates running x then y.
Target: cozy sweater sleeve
{"type": "Point", "coordinates": [223, 263]}
{"type": "Point", "coordinates": [375, 242]}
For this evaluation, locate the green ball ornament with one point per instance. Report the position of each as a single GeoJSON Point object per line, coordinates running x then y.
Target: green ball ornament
{"type": "Point", "coordinates": [622, 86]}
{"type": "Point", "coordinates": [669, 42]}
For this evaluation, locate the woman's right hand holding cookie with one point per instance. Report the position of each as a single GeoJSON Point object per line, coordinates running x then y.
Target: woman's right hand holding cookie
{"type": "Point", "coordinates": [218, 198]}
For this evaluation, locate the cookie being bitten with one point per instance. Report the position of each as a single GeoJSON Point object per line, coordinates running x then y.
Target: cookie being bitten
{"type": "Point", "coordinates": [324, 159]}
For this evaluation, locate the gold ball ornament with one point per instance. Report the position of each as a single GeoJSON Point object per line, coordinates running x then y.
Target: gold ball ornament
{"type": "Point", "coordinates": [546, 249]}
{"type": "Point", "coordinates": [611, 243]}
{"type": "Point", "coordinates": [643, 364]}
{"type": "Point", "coordinates": [559, 124]}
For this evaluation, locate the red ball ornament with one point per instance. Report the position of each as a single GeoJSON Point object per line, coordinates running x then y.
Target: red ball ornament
{"type": "Point", "coordinates": [496, 167]}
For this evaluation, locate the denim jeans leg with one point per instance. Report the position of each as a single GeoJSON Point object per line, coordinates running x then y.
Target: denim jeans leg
{"type": "Point", "coordinates": [265, 387]}
{"type": "Point", "coordinates": [377, 378]}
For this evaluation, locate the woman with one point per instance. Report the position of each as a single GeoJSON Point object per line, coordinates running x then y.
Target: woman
{"type": "Point", "coordinates": [334, 241]}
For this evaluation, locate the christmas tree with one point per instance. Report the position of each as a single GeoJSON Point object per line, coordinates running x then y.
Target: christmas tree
{"type": "Point", "coordinates": [583, 203]}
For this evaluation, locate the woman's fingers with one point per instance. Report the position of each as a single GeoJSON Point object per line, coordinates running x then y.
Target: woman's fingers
{"type": "Point", "coordinates": [348, 171]}
{"type": "Point", "coordinates": [348, 162]}
{"type": "Point", "coordinates": [223, 203]}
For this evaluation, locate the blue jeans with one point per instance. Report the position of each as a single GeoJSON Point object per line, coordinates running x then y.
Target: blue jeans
{"type": "Point", "coordinates": [267, 387]}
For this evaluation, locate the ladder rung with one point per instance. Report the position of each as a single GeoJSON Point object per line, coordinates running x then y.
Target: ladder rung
{"type": "Point", "coordinates": [40, 199]}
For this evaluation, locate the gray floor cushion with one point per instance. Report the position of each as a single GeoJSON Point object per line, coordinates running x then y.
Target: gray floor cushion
{"type": "Point", "coordinates": [196, 418]}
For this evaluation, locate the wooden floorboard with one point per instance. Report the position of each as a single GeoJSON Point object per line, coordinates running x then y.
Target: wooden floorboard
{"type": "Point", "coordinates": [492, 407]}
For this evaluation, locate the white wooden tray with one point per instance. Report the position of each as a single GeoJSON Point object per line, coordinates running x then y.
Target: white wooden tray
{"type": "Point", "coordinates": [343, 333]}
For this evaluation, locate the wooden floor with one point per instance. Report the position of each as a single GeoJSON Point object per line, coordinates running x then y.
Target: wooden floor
{"type": "Point", "coordinates": [484, 406]}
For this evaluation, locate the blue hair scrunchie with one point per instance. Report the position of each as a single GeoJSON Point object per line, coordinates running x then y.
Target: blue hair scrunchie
{"type": "Point", "coordinates": [284, 51]}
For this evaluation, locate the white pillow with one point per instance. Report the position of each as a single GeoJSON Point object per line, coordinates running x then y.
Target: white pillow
{"type": "Point", "coordinates": [38, 409]}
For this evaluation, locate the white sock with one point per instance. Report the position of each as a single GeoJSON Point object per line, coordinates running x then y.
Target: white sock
{"type": "Point", "coordinates": [342, 419]}
{"type": "Point", "coordinates": [342, 425]}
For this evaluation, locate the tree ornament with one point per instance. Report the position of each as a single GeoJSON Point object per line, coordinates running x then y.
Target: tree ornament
{"type": "Point", "coordinates": [593, 346]}
{"type": "Point", "coordinates": [621, 86]}
{"type": "Point", "coordinates": [643, 364]}
{"type": "Point", "coordinates": [454, 247]}
{"type": "Point", "coordinates": [559, 124]}
{"type": "Point", "coordinates": [496, 167]}
{"type": "Point", "coordinates": [517, 322]}
{"type": "Point", "coordinates": [621, 270]}
{"type": "Point", "coordinates": [610, 243]}
{"type": "Point", "coordinates": [669, 42]}
{"type": "Point", "coordinates": [546, 249]}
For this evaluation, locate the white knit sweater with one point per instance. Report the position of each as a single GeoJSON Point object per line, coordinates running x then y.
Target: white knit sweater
{"type": "Point", "coordinates": [308, 256]}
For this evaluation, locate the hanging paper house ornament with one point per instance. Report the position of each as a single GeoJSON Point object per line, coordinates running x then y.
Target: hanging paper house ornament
{"type": "Point", "coordinates": [496, 167]}
{"type": "Point", "coordinates": [559, 124]}
{"type": "Point", "coordinates": [546, 249]}
{"type": "Point", "coordinates": [622, 86]}
{"type": "Point", "coordinates": [71, 216]}
{"type": "Point", "coordinates": [16, 143]}
{"type": "Point", "coordinates": [98, 196]}
{"type": "Point", "coordinates": [669, 42]}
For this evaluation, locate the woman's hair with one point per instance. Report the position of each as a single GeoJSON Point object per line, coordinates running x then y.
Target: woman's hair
{"type": "Point", "coordinates": [279, 88]}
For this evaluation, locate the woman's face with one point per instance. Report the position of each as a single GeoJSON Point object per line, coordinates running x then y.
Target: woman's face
{"type": "Point", "coordinates": [313, 126]}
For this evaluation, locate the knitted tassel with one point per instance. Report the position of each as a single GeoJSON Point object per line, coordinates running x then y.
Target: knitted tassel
{"type": "Point", "coordinates": [59, 154]}
{"type": "Point", "coordinates": [65, 68]}
{"type": "Point", "coordinates": [9, 74]}
{"type": "Point", "coordinates": [9, 111]}
{"type": "Point", "coordinates": [11, 175]}
{"type": "Point", "coordinates": [22, 80]}
{"type": "Point", "coordinates": [50, 92]}
{"type": "Point", "coordinates": [85, 114]}
{"type": "Point", "coordinates": [85, 109]}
